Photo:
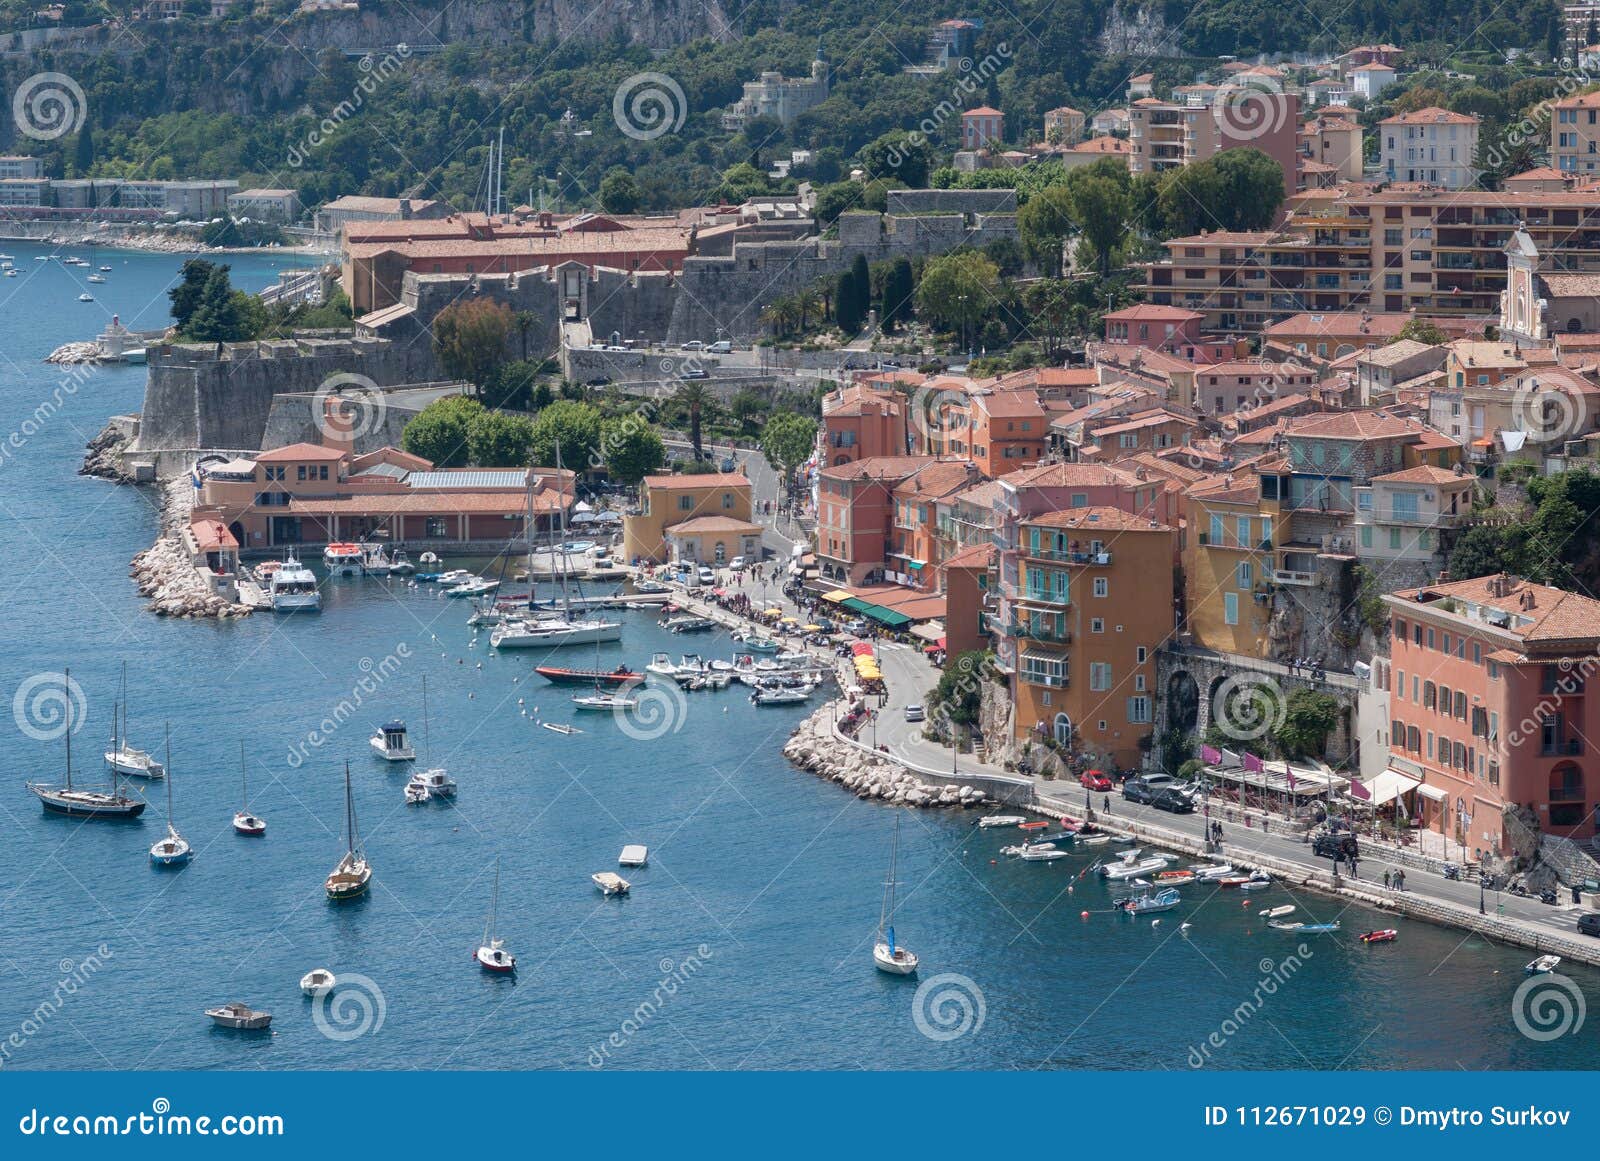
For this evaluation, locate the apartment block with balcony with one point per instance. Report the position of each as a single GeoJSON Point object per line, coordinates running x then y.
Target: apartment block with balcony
{"type": "Point", "coordinates": [1429, 145]}
{"type": "Point", "coordinates": [1490, 707]}
{"type": "Point", "coordinates": [1078, 624]}
{"type": "Point", "coordinates": [856, 516]}
{"type": "Point", "coordinates": [1575, 134]}
{"type": "Point", "coordinates": [1412, 515]}
{"type": "Point", "coordinates": [1166, 135]}
{"type": "Point", "coordinates": [860, 422]}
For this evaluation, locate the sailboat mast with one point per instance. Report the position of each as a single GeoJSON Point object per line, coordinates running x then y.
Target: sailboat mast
{"type": "Point", "coordinates": [427, 737]}
{"type": "Point", "coordinates": [167, 734]}
{"type": "Point", "coordinates": [244, 776]}
{"type": "Point", "coordinates": [66, 678]}
{"type": "Point", "coordinates": [561, 523]}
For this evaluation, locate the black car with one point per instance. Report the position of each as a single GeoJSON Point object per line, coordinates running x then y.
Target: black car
{"type": "Point", "coordinates": [1175, 801]}
{"type": "Point", "coordinates": [1135, 790]}
{"type": "Point", "coordinates": [1329, 845]}
{"type": "Point", "coordinates": [1589, 923]}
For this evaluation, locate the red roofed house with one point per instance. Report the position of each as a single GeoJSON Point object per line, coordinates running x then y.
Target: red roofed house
{"type": "Point", "coordinates": [856, 516]}
{"type": "Point", "coordinates": [982, 127]}
{"type": "Point", "coordinates": [858, 423]}
{"type": "Point", "coordinates": [1008, 430]}
{"type": "Point", "coordinates": [694, 519]}
{"type": "Point", "coordinates": [1161, 328]}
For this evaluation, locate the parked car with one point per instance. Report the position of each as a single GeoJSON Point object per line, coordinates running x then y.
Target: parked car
{"type": "Point", "coordinates": [859, 627]}
{"type": "Point", "coordinates": [1335, 844]}
{"type": "Point", "coordinates": [1158, 781]}
{"type": "Point", "coordinates": [1172, 800]}
{"type": "Point", "coordinates": [1589, 923]}
{"type": "Point", "coordinates": [706, 576]}
{"type": "Point", "coordinates": [915, 713]}
{"type": "Point", "coordinates": [720, 347]}
{"type": "Point", "coordinates": [1135, 790]}
{"type": "Point", "coordinates": [697, 373]}
{"type": "Point", "coordinates": [692, 345]}
{"type": "Point", "coordinates": [827, 625]}
{"type": "Point", "coordinates": [1094, 780]}
{"type": "Point", "coordinates": [737, 563]}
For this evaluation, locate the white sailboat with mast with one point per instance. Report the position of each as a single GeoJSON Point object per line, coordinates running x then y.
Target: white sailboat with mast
{"type": "Point", "coordinates": [433, 782]}
{"type": "Point", "coordinates": [351, 878]}
{"type": "Point", "coordinates": [244, 821]}
{"type": "Point", "coordinates": [124, 759]}
{"type": "Point", "coordinates": [492, 955]}
{"type": "Point", "coordinates": [887, 955]}
{"type": "Point", "coordinates": [69, 800]}
{"type": "Point", "coordinates": [174, 850]}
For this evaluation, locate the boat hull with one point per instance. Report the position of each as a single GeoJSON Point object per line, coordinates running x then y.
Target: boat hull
{"type": "Point", "coordinates": [249, 826]}
{"type": "Point", "coordinates": [498, 962]}
{"type": "Point", "coordinates": [559, 676]}
{"type": "Point", "coordinates": [898, 962]}
{"type": "Point", "coordinates": [77, 804]}
{"type": "Point", "coordinates": [557, 638]}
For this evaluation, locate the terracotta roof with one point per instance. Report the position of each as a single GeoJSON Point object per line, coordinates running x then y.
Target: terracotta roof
{"type": "Point", "coordinates": [1572, 285]}
{"type": "Point", "coordinates": [938, 479]}
{"type": "Point", "coordinates": [1077, 475]}
{"type": "Point", "coordinates": [1105, 144]}
{"type": "Point", "coordinates": [983, 111]}
{"type": "Point", "coordinates": [1009, 404]}
{"type": "Point", "coordinates": [1144, 419]}
{"type": "Point", "coordinates": [1150, 312]}
{"type": "Point", "coordinates": [1351, 425]}
{"type": "Point", "coordinates": [702, 524]}
{"type": "Point", "coordinates": [300, 451]}
{"type": "Point", "coordinates": [973, 556]}
{"type": "Point", "coordinates": [1114, 519]}
{"type": "Point", "coordinates": [1580, 101]}
{"type": "Point", "coordinates": [877, 468]}
{"type": "Point", "coordinates": [1067, 109]}
{"type": "Point", "coordinates": [701, 480]}
{"type": "Point", "coordinates": [1539, 173]}
{"type": "Point", "coordinates": [1556, 617]}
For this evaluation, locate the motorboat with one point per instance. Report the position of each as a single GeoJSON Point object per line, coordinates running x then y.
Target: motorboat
{"type": "Point", "coordinates": [1543, 965]}
{"type": "Point", "coordinates": [454, 576]}
{"type": "Point", "coordinates": [318, 982]}
{"type": "Point", "coordinates": [491, 953]}
{"type": "Point", "coordinates": [687, 623]}
{"type": "Point", "coordinates": [554, 633]}
{"type": "Point", "coordinates": [86, 297]}
{"type": "Point", "coordinates": [887, 954]}
{"type": "Point", "coordinates": [95, 278]}
{"type": "Point", "coordinates": [400, 564]}
{"type": "Point", "coordinates": [1389, 935]}
{"type": "Point", "coordinates": [561, 728]}
{"type": "Point", "coordinates": [1211, 872]}
{"type": "Point", "coordinates": [994, 820]}
{"type": "Point", "coordinates": [389, 742]}
{"type": "Point", "coordinates": [68, 799]}
{"type": "Point", "coordinates": [605, 702]}
{"type": "Point", "coordinates": [374, 561]}
{"type": "Point", "coordinates": [620, 676]}
{"type": "Point", "coordinates": [239, 1017]}
{"type": "Point", "coordinates": [473, 587]}
{"type": "Point", "coordinates": [105, 270]}
{"type": "Point", "coordinates": [351, 878]}
{"type": "Point", "coordinates": [1040, 854]}
{"type": "Point", "coordinates": [661, 665]}
{"type": "Point", "coordinates": [1163, 900]}
{"type": "Point", "coordinates": [634, 855]}
{"type": "Point", "coordinates": [244, 822]}
{"type": "Point", "coordinates": [343, 559]}
{"type": "Point", "coordinates": [1132, 868]}
{"type": "Point", "coordinates": [436, 782]}
{"type": "Point", "coordinates": [416, 794]}
{"type": "Point", "coordinates": [294, 588]}
{"type": "Point", "coordinates": [650, 587]}
{"type": "Point", "coordinates": [610, 883]}
{"type": "Point", "coordinates": [779, 696]}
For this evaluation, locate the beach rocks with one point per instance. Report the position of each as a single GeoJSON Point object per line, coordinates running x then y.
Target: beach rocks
{"type": "Point", "coordinates": [814, 746]}
{"type": "Point", "coordinates": [104, 458]}
{"type": "Point", "coordinates": [165, 573]}
{"type": "Point", "coordinates": [83, 352]}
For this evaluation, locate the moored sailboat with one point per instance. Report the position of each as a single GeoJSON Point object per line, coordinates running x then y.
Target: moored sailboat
{"type": "Point", "coordinates": [174, 850]}
{"type": "Point", "coordinates": [127, 760]}
{"type": "Point", "coordinates": [69, 800]}
{"type": "Point", "coordinates": [492, 955]}
{"type": "Point", "coordinates": [887, 955]}
{"type": "Point", "coordinates": [351, 878]}
{"type": "Point", "coordinates": [246, 823]}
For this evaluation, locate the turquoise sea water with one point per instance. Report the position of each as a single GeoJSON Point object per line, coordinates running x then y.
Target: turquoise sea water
{"type": "Point", "coordinates": [746, 942]}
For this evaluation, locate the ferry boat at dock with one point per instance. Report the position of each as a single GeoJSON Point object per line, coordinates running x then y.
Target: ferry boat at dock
{"type": "Point", "coordinates": [294, 588]}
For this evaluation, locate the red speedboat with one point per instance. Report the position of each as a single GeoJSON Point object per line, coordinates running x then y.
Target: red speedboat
{"type": "Point", "coordinates": [620, 676]}
{"type": "Point", "coordinates": [1386, 935]}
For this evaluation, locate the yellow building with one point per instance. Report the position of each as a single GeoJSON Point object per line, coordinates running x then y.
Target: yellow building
{"type": "Point", "coordinates": [1229, 563]}
{"type": "Point", "coordinates": [700, 519]}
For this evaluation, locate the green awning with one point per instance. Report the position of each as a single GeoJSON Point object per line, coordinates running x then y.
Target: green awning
{"type": "Point", "coordinates": [857, 605]}
{"type": "Point", "coordinates": [887, 616]}
{"type": "Point", "coordinates": [917, 564]}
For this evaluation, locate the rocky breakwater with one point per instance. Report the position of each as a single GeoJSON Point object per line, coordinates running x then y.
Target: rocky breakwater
{"type": "Point", "coordinates": [814, 746]}
{"type": "Point", "coordinates": [165, 573]}
{"type": "Point", "coordinates": [104, 454]}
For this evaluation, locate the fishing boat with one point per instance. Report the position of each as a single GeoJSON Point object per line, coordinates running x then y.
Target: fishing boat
{"type": "Point", "coordinates": [610, 883]}
{"type": "Point", "coordinates": [68, 799]}
{"type": "Point", "coordinates": [125, 759]}
{"type": "Point", "coordinates": [605, 702]}
{"type": "Point", "coordinates": [634, 855]}
{"type": "Point", "coordinates": [1543, 965]}
{"type": "Point", "coordinates": [293, 588]}
{"type": "Point", "coordinates": [995, 820]}
{"type": "Point", "coordinates": [318, 982]}
{"type": "Point", "coordinates": [1383, 935]}
{"type": "Point", "coordinates": [1163, 900]}
{"type": "Point", "coordinates": [174, 850]}
{"type": "Point", "coordinates": [239, 1017]}
{"type": "Point", "coordinates": [492, 955]}
{"type": "Point", "coordinates": [343, 559]}
{"type": "Point", "coordinates": [389, 742]}
{"type": "Point", "coordinates": [244, 822]}
{"type": "Point", "coordinates": [620, 676]}
{"type": "Point", "coordinates": [351, 878]}
{"type": "Point", "coordinates": [887, 955]}
{"type": "Point", "coordinates": [560, 728]}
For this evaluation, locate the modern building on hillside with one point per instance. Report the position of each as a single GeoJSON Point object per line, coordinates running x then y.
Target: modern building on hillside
{"type": "Point", "coordinates": [13, 166]}
{"type": "Point", "coordinates": [1430, 145]}
{"type": "Point", "coordinates": [1166, 135]}
{"type": "Point", "coordinates": [1575, 133]}
{"type": "Point", "coordinates": [266, 205]}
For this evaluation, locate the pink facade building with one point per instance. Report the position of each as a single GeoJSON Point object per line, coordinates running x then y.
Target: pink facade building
{"type": "Point", "coordinates": [982, 127]}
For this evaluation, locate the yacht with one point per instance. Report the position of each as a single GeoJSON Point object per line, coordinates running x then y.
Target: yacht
{"type": "Point", "coordinates": [351, 878]}
{"type": "Point", "coordinates": [391, 744]}
{"type": "Point", "coordinates": [343, 559]}
{"type": "Point", "coordinates": [554, 633]}
{"type": "Point", "coordinates": [174, 850]}
{"type": "Point", "coordinates": [67, 799]}
{"type": "Point", "coordinates": [436, 782]}
{"type": "Point", "coordinates": [294, 588]}
{"type": "Point", "coordinates": [492, 955]}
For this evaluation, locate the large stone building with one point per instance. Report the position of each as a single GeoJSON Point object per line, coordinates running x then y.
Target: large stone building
{"type": "Point", "coordinates": [779, 97]}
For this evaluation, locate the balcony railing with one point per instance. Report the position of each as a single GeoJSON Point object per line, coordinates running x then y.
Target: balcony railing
{"type": "Point", "coordinates": [1566, 748]}
{"type": "Point", "coordinates": [1566, 794]}
{"type": "Point", "coordinates": [1068, 556]}
{"type": "Point", "coordinates": [1052, 680]}
{"type": "Point", "coordinates": [1289, 576]}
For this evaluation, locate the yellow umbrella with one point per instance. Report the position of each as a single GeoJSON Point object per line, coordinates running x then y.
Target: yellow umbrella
{"type": "Point", "coordinates": [791, 620]}
{"type": "Point", "coordinates": [773, 613]}
{"type": "Point", "coordinates": [811, 628]}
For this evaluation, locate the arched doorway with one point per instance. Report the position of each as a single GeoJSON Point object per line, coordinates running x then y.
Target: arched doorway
{"type": "Point", "coordinates": [1063, 731]}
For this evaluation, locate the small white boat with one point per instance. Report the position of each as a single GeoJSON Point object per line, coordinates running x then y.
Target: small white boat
{"type": "Point", "coordinates": [174, 850]}
{"type": "Point", "coordinates": [561, 728]}
{"type": "Point", "coordinates": [400, 564]}
{"type": "Point", "coordinates": [472, 587]}
{"type": "Point", "coordinates": [416, 795]}
{"type": "Point", "coordinates": [1041, 854]}
{"type": "Point", "coordinates": [318, 982]}
{"type": "Point", "coordinates": [94, 278]}
{"type": "Point", "coordinates": [1543, 965]}
{"type": "Point", "coordinates": [11, 273]}
{"type": "Point", "coordinates": [86, 297]}
{"type": "Point", "coordinates": [239, 1016]}
{"type": "Point", "coordinates": [1209, 872]}
{"type": "Point", "coordinates": [294, 588]}
{"type": "Point", "coordinates": [391, 743]}
{"type": "Point", "coordinates": [610, 883]}
{"type": "Point", "coordinates": [244, 822]}
{"type": "Point", "coordinates": [779, 696]}
{"type": "Point", "coordinates": [436, 782]}
{"type": "Point", "coordinates": [605, 701]}
{"type": "Point", "coordinates": [105, 270]}
{"type": "Point", "coordinates": [343, 559]}
{"type": "Point", "coordinates": [633, 855]}
{"type": "Point", "coordinates": [1094, 840]}
{"type": "Point", "coordinates": [491, 954]}
{"type": "Point", "coordinates": [429, 558]}
{"type": "Point", "coordinates": [374, 561]}
{"type": "Point", "coordinates": [887, 954]}
{"type": "Point", "coordinates": [1001, 820]}
{"type": "Point", "coordinates": [1132, 868]}
{"type": "Point", "coordinates": [351, 878]}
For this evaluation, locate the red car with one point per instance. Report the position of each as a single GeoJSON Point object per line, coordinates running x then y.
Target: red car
{"type": "Point", "coordinates": [1095, 780]}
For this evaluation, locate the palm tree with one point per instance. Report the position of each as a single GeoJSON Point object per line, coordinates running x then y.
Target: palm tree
{"type": "Point", "coordinates": [809, 302]}
{"type": "Point", "coordinates": [694, 398]}
{"type": "Point", "coordinates": [524, 321]}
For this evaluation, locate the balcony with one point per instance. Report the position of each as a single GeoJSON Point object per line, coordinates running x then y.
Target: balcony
{"type": "Point", "coordinates": [1067, 556]}
{"type": "Point", "coordinates": [1289, 576]}
{"type": "Point", "coordinates": [1049, 680]}
{"type": "Point", "coordinates": [1567, 793]}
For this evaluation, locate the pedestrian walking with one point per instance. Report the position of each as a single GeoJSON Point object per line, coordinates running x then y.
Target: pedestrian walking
{"type": "Point", "coordinates": [1106, 805]}
{"type": "Point", "coordinates": [1386, 878]}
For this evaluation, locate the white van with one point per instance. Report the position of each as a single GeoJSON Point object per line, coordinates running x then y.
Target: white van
{"type": "Point", "coordinates": [720, 347]}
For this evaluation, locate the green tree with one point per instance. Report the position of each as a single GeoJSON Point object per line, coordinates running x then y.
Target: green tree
{"type": "Point", "coordinates": [511, 385]}
{"type": "Point", "coordinates": [1484, 550]}
{"type": "Point", "coordinates": [575, 427]}
{"type": "Point", "coordinates": [633, 448]}
{"type": "Point", "coordinates": [849, 311]}
{"type": "Point", "coordinates": [958, 290]}
{"type": "Point", "coordinates": [1101, 210]}
{"type": "Point", "coordinates": [898, 154]}
{"type": "Point", "coordinates": [83, 150]}
{"type": "Point", "coordinates": [695, 399]}
{"type": "Point", "coordinates": [1043, 226]}
{"type": "Point", "coordinates": [524, 321]}
{"type": "Point", "coordinates": [1422, 331]}
{"type": "Point", "coordinates": [223, 314]}
{"type": "Point", "coordinates": [440, 433]}
{"type": "Point", "coordinates": [469, 338]}
{"type": "Point", "coordinates": [787, 441]}
{"type": "Point", "coordinates": [498, 440]}
{"type": "Point", "coordinates": [185, 297]}
{"type": "Point", "coordinates": [1309, 716]}
{"type": "Point", "coordinates": [741, 183]}
{"type": "Point", "coordinates": [898, 295]}
{"type": "Point", "coordinates": [619, 192]}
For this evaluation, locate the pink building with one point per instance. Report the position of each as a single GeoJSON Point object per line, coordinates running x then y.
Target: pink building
{"type": "Point", "coordinates": [860, 422]}
{"type": "Point", "coordinates": [1160, 328]}
{"type": "Point", "coordinates": [856, 516]}
{"type": "Point", "coordinates": [982, 127]}
{"type": "Point", "coordinates": [1245, 384]}
{"type": "Point", "coordinates": [1489, 708]}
